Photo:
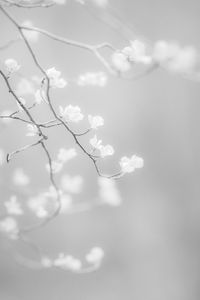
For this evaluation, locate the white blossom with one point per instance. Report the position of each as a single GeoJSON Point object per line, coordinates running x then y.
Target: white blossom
{"type": "Point", "coordinates": [67, 262]}
{"type": "Point", "coordinates": [9, 226]}
{"type": "Point", "coordinates": [129, 165]}
{"type": "Point", "coordinates": [38, 206]}
{"type": "Point", "coordinates": [185, 61]}
{"type": "Point", "coordinates": [20, 178]}
{"type": "Point", "coordinates": [95, 121]}
{"type": "Point", "coordinates": [120, 61]}
{"type": "Point", "coordinates": [60, 2]}
{"type": "Point", "coordinates": [25, 87]}
{"type": "Point", "coordinates": [175, 58]}
{"type": "Point", "coordinates": [108, 192]}
{"type": "Point", "coordinates": [55, 80]}
{"type": "Point", "coordinates": [32, 130]}
{"type": "Point", "coordinates": [64, 155]}
{"type": "Point", "coordinates": [93, 79]}
{"type": "Point", "coordinates": [12, 65]}
{"type": "Point", "coordinates": [136, 52]}
{"type": "Point", "coordinates": [39, 96]}
{"type": "Point", "coordinates": [13, 206]}
{"type": "Point", "coordinates": [30, 35]}
{"type": "Point", "coordinates": [100, 3]}
{"type": "Point", "coordinates": [71, 113]}
{"type": "Point", "coordinates": [56, 167]}
{"type": "Point", "coordinates": [46, 262]}
{"type": "Point", "coordinates": [72, 184]}
{"type": "Point", "coordinates": [106, 150]}
{"type": "Point", "coordinates": [66, 203]}
{"type": "Point", "coordinates": [95, 143]}
{"type": "Point", "coordinates": [95, 256]}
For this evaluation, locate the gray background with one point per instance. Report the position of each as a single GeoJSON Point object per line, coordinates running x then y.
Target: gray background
{"type": "Point", "coordinates": [151, 242]}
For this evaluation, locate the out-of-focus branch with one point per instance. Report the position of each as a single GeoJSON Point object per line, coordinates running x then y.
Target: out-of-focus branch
{"type": "Point", "coordinates": [92, 48]}
{"type": "Point", "coordinates": [25, 4]}
{"type": "Point", "coordinates": [9, 44]}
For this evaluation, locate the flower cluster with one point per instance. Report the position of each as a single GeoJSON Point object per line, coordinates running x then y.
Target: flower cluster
{"type": "Point", "coordinates": [32, 130]}
{"type": "Point", "coordinates": [71, 184]}
{"type": "Point", "coordinates": [167, 54]}
{"type": "Point", "coordinates": [13, 206]}
{"type": "Point", "coordinates": [64, 155]}
{"type": "Point", "coordinates": [174, 57]}
{"type": "Point", "coordinates": [128, 165]}
{"type": "Point", "coordinates": [39, 96]}
{"type": "Point", "coordinates": [95, 121]}
{"type": "Point", "coordinates": [20, 178]}
{"type": "Point", "coordinates": [55, 80]}
{"type": "Point", "coordinates": [69, 262]}
{"type": "Point", "coordinates": [31, 35]}
{"type": "Point", "coordinates": [135, 53]}
{"type": "Point", "coordinates": [71, 113]}
{"type": "Point", "coordinates": [24, 87]}
{"type": "Point", "coordinates": [96, 144]}
{"type": "Point", "coordinates": [108, 192]}
{"type": "Point", "coordinates": [11, 65]}
{"type": "Point", "coordinates": [9, 226]}
{"type": "Point", "coordinates": [93, 79]}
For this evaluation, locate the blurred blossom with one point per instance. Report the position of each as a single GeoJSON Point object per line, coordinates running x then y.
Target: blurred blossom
{"type": "Point", "coordinates": [106, 150]}
{"type": "Point", "coordinates": [60, 2]}
{"type": "Point", "coordinates": [25, 87]}
{"type": "Point", "coordinates": [120, 61]}
{"type": "Point", "coordinates": [13, 206]}
{"type": "Point", "coordinates": [11, 65]}
{"type": "Point", "coordinates": [95, 256]}
{"type": "Point", "coordinates": [2, 157]}
{"type": "Point", "coordinates": [64, 155]}
{"type": "Point", "coordinates": [95, 143]}
{"type": "Point", "coordinates": [93, 79]}
{"type": "Point", "coordinates": [95, 121]}
{"type": "Point", "coordinates": [38, 205]}
{"type": "Point", "coordinates": [55, 167]}
{"type": "Point", "coordinates": [175, 58]}
{"type": "Point", "coordinates": [72, 184]}
{"type": "Point", "coordinates": [129, 165]}
{"type": "Point", "coordinates": [31, 35]}
{"type": "Point", "coordinates": [67, 262]}
{"type": "Point", "coordinates": [20, 178]}
{"type": "Point", "coordinates": [55, 80]}
{"type": "Point", "coordinates": [100, 3]}
{"type": "Point", "coordinates": [9, 226]}
{"type": "Point", "coordinates": [108, 192]}
{"type": "Point", "coordinates": [39, 96]}
{"type": "Point", "coordinates": [66, 203]}
{"type": "Point", "coordinates": [71, 113]}
{"type": "Point", "coordinates": [136, 52]}
{"type": "Point", "coordinates": [32, 130]}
